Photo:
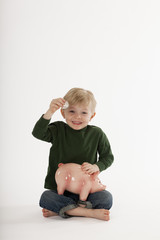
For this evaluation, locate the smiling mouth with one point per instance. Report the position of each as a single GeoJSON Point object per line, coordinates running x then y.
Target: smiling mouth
{"type": "Point", "coordinates": [76, 122]}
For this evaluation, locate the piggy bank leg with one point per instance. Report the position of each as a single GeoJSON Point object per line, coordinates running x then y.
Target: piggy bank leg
{"type": "Point", "coordinates": [85, 191]}
{"type": "Point", "coordinates": [61, 188]}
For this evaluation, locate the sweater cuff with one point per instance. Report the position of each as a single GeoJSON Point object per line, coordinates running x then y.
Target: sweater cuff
{"type": "Point", "coordinates": [43, 122]}
{"type": "Point", "coordinates": [101, 166]}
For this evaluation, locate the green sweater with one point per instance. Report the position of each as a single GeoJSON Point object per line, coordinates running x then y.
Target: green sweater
{"type": "Point", "coordinates": [89, 144]}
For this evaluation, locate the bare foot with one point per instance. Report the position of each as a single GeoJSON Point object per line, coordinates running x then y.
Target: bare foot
{"type": "Point", "coordinates": [47, 213]}
{"type": "Point", "coordinates": [101, 214]}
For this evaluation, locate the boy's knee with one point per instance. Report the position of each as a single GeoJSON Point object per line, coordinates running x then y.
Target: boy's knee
{"type": "Point", "coordinates": [108, 200]}
{"type": "Point", "coordinates": [102, 200]}
{"type": "Point", "coordinates": [44, 198]}
{"type": "Point", "coordinates": [45, 194]}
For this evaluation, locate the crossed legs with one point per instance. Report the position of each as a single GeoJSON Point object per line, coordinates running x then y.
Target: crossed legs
{"type": "Point", "coordinates": [66, 205]}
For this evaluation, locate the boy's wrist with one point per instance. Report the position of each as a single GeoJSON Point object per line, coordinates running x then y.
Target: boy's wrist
{"type": "Point", "coordinates": [48, 115]}
{"type": "Point", "coordinates": [96, 167]}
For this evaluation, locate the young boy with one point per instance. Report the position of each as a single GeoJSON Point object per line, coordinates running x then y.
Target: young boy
{"type": "Point", "coordinates": [77, 142]}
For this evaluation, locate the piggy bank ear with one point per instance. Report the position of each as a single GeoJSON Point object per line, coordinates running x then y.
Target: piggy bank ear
{"type": "Point", "coordinates": [95, 175]}
{"type": "Point", "coordinates": [60, 164]}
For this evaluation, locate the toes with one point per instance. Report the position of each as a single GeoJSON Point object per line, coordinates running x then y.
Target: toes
{"type": "Point", "coordinates": [45, 210]}
{"type": "Point", "coordinates": [106, 212]}
{"type": "Point", "coordinates": [107, 218]}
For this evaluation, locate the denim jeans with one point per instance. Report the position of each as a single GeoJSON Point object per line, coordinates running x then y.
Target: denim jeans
{"type": "Point", "coordinates": [59, 204]}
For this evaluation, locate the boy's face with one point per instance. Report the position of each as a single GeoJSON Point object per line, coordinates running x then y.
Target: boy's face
{"type": "Point", "coordinates": [78, 116]}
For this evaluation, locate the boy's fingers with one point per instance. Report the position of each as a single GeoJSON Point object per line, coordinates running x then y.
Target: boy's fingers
{"type": "Point", "coordinates": [84, 167]}
{"type": "Point", "coordinates": [57, 103]}
{"type": "Point", "coordinates": [58, 100]}
{"type": "Point", "coordinates": [89, 172]}
{"type": "Point", "coordinates": [61, 101]}
{"type": "Point", "coordinates": [86, 164]}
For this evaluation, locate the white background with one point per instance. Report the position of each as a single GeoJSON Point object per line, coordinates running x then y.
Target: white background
{"type": "Point", "coordinates": [109, 47]}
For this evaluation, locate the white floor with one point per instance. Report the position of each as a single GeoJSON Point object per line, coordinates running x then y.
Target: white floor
{"type": "Point", "coordinates": [26, 222]}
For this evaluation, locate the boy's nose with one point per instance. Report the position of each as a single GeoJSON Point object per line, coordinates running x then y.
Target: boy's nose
{"type": "Point", "coordinates": [78, 116]}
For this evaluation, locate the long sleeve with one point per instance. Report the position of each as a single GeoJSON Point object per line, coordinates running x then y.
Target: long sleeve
{"type": "Point", "coordinates": [42, 130]}
{"type": "Point", "coordinates": [106, 157]}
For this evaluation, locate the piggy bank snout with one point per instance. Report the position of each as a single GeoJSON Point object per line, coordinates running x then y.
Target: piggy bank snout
{"type": "Point", "coordinates": [97, 184]}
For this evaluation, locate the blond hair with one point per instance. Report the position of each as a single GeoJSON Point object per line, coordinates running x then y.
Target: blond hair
{"type": "Point", "coordinates": [80, 96]}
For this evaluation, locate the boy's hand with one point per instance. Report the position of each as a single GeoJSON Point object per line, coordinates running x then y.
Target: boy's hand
{"type": "Point", "coordinates": [54, 106]}
{"type": "Point", "coordinates": [89, 168]}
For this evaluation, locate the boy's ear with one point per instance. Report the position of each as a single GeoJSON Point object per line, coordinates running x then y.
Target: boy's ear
{"type": "Point", "coordinates": [62, 112]}
{"type": "Point", "coordinates": [92, 116]}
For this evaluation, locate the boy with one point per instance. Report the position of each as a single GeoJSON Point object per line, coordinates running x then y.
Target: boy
{"type": "Point", "coordinates": [74, 141]}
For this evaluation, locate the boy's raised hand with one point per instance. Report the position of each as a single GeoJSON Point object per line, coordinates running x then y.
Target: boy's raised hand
{"type": "Point", "coordinates": [89, 168]}
{"type": "Point", "coordinates": [56, 104]}
{"type": "Point", "coordinates": [53, 107]}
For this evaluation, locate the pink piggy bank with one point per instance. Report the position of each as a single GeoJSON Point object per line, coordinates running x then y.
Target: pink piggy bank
{"type": "Point", "coordinates": [72, 178]}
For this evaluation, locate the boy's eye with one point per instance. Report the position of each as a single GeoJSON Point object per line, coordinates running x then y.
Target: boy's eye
{"type": "Point", "coordinates": [84, 112]}
{"type": "Point", "coordinates": [71, 111]}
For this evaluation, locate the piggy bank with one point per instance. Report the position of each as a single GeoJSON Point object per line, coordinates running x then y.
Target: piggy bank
{"type": "Point", "coordinates": [72, 178]}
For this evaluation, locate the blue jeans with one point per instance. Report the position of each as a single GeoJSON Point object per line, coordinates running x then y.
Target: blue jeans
{"type": "Point", "coordinates": [59, 204]}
